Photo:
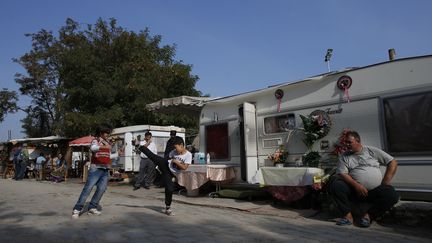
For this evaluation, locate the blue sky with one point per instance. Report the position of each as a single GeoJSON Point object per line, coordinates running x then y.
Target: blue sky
{"type": "Point", "coordinates": [234, 46]}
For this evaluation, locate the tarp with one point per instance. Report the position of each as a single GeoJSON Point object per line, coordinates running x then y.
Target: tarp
{"type": "Point", "coordinates": [83, 141]}
{"type": "Point", "coordinates": [188, 105]}
{"type": "Point", "coordinates": [37, 140]}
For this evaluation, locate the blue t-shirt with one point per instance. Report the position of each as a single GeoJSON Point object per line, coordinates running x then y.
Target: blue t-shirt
{"type": "Point", "coordinates": [40, 160]}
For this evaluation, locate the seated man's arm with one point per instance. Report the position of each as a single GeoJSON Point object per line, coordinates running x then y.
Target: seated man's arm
{"type": "Point", "coordinates": [343, 171]}
{"type": "Point", "coordinates": [390, 172]}
{"type": "Point", "coordinates": [360, 189]}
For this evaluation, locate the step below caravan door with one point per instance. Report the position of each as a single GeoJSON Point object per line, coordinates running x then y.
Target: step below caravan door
{"type": "Point", "coordinates": [249, 156]}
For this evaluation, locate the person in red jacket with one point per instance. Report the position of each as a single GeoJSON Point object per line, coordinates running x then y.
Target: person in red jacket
{"type": "Point", "coordinates": [98, 172]}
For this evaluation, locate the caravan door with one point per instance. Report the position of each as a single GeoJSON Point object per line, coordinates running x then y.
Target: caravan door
{"type": "Point", "coordinates": [129, 158]}
{"type": "Point", "coordinates": [249, 155]}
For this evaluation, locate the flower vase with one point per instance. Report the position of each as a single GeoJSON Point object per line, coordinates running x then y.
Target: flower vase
{"type": "Point", "coordinates": [279, 165]}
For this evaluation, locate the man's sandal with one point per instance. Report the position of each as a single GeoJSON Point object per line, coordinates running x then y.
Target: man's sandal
{"type": "Point", "coordinates": [364, 222]}
{"type": "Point", "coordinates": [343, 222]}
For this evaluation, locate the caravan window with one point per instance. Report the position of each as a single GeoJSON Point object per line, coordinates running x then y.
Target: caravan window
{"type": "Point", "coordinates": [408, 123]}
{"type": "Point", "coordinates": [217, 141]}
{"type": "Point", "coordinates": [278, 124]}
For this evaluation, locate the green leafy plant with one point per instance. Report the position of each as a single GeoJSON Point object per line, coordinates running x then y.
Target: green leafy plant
{"type": "Point", "coordinates": [312, 159]}
{"type": "Point", "coordinates": [315, 127]}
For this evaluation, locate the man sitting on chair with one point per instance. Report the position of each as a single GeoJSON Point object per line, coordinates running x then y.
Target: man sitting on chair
{"type": "Point", "coordinates": [360, 180]}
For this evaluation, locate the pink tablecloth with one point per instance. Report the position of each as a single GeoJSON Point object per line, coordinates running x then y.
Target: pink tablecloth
{"type": "Point", "coordinates": [197, 175]}
{"type": "Point", "coordinates": [288, 193]}
{"type": "Point", "coordinates": [220, 172]}
{"type": "Point", "coordinates": [191, 180]}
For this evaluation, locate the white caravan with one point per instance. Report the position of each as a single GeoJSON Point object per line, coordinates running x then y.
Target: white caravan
{"type": "Point", "coordinates": [129, 160]}
{"type": "Point", "coordinates": [389, 104]}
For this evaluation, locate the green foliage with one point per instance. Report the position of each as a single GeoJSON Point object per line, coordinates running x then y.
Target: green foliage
{"type": "Point", "coordinates": [100, 73]}
{"type": "Point", "coordinates": [8, 103]}
{"type": "Point", "coordinates": [313, 129]}
{"type": "Point", "coordinates": [36, 122]}
{"type": "Point", "coordinates": [312, 159]}
{"type": "Point", "coordinates": [42, 84]}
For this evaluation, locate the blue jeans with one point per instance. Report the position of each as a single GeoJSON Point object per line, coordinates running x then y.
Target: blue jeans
{"type": "Point", "coordinates": [98, 177]}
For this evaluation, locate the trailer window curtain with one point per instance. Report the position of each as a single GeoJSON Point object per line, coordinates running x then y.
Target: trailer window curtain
{"type": "Point", "coordinates": [217, 141]}
{"type": "Point", "coordinates": [278, 124]}
{"type": "Point", "coordinates": [408, 123]}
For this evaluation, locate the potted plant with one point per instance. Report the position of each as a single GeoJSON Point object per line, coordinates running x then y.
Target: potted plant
{"type": "Point", "coordinates": [315, 126]}
{"type": "Point", "coordinates": [312, 159]}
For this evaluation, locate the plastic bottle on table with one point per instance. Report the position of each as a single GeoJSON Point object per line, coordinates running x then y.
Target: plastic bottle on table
{"type": "Point", "coordinates": [208, 158]}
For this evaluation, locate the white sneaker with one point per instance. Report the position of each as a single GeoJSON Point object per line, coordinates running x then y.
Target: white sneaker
{"type": "Point", "coordinates": [158, 170]}
{"type": "Point", "coordinates": [168, 212]}
{"type": "Point", "coordinates": [75, 214]}
{"type": "Point", "coordinates": [94, 211]}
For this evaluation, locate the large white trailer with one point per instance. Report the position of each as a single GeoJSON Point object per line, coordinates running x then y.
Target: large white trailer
{"type": "Point", "coordinates": [389, 104]}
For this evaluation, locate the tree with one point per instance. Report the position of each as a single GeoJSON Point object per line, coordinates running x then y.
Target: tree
{"type": "Point", "coordinates": [100, 73]}
{"type": "Point", "coordinates": [8, 103]}
{"type": "Point", "coordinates": [42, 84]}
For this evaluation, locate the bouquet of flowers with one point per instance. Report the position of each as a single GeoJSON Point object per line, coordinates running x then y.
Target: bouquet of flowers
{"type": "Point", "coordinates": [278, 156]}
{"type": "Point", "coordinates": [340, 147]}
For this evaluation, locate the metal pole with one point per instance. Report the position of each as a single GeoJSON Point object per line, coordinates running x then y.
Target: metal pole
{"type": "Point", "coordinates": [327, 58]}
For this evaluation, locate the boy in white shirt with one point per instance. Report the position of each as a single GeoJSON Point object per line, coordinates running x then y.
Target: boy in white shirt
{"type": "Point", "coordinates": [179, 159]}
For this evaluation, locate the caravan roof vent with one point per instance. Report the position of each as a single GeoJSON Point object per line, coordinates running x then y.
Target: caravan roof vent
{"type": "Point", "coordinates": [392, 54]}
